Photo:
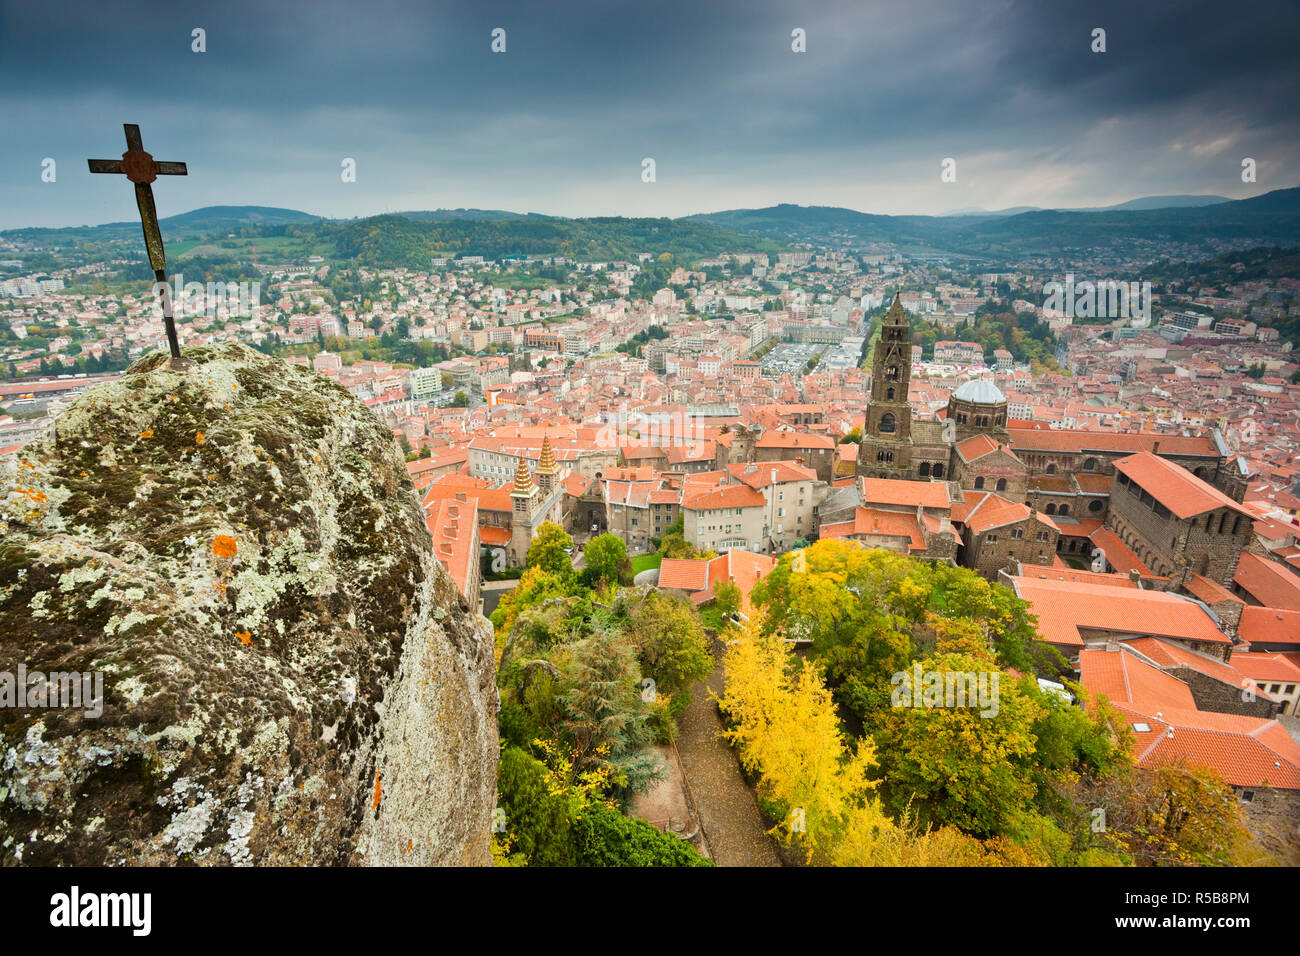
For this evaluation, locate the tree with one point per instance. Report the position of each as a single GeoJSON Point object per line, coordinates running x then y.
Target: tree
{"type": "Point", "coordinates": [782, 720]}
{"type": "Point", "coordinates": [1179, 814]}
{"type": "Point", "coordinates": [461, 400]}
{"type": "Point", "coordinates": [549, 550]}
{"type": "Point", "coordinates": [671, 645]}
{"type": "Point", "coordinates": [727, 599]}
{"type": "Point", "coordinates": [604, 719]}
{"type": "Point", "coordinates": [607, 561]}
{"type": "Point", "coordinates": [965, 765]}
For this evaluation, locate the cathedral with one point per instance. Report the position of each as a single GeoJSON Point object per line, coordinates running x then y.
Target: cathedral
{"type": "Point", "coordinates": [1019, 493]}
{"type": "Point", "coordinates": [895, 446]}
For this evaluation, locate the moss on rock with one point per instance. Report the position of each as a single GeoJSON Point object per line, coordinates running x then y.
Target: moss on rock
{"type": "Point", "coordinates": [251, 699]}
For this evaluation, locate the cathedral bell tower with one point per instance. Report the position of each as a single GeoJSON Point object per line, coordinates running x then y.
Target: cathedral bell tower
{"type": "Point", "coordinates": [887, 437]}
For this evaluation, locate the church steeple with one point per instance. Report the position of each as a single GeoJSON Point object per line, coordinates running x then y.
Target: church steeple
{"type": "Point", "coordinates": [888, 412]}
{"type": "Point", "coordinates": [546, 467]}
{"type": "Point", "coordinates": [887, 435]}
{"type": "Point", "coordinates": [524, 487]}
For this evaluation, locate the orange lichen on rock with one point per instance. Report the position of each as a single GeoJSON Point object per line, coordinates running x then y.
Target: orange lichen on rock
{"type": "Point", "coordinates": [198, 439]}
{"type": "Point", "coordinates": [224, 546]}
{"type": "Point", "coordinates": [245, 637]}
{"type": "Point", "coordinates": [147, 433]}
{"type": "Point", "coordinates": [379, 791]}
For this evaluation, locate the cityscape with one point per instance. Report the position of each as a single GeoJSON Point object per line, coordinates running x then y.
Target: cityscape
{"type": "Point", "coordinates": [916, 530]}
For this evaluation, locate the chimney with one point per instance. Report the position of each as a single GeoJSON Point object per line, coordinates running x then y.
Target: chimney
{"type": "Point", "coordinates": [1155, 448]}
{"type": "Point", "coordinates": [1135, 575]}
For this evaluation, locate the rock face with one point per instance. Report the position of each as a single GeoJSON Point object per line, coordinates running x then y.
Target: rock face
{"type": "Point", "coordinates": [289, 676]}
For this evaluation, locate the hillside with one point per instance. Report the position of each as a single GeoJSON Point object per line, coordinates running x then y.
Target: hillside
{"type": "Point", "coordinates": [1271, 218]}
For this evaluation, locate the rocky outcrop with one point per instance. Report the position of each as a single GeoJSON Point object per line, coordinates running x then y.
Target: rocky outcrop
{"type": "Point", "coordinates": [289, 676]}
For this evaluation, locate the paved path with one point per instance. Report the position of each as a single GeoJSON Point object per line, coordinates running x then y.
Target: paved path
{"type": "Point", "coordinates": [734, 828]}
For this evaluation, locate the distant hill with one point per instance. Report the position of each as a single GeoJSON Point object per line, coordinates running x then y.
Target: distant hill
{"type": "Point", "coordinates": [450, 215]}
{"type": "Point", "coordinates": [1143, 202]}
{"type": "Point", "coordinates": [1164, 202]}
{"type": "Point", "coordinates": [195, 223]}
{"type": "Point", "coordinates": [210, 217]}
{"type": "Point", "coordinates": [1271, 218]}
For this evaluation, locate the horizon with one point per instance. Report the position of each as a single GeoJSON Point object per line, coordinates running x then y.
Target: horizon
{"type": "Point", "coordinates": [561, 121]}
{"type": "Point", "coordinates": [955, 213]}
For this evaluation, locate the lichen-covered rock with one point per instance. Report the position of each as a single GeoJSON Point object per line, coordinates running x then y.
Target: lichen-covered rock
{"type": "Point", "coordinates": [289, 676]}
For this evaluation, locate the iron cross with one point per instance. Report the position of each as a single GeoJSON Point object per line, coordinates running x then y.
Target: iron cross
{"type": "Point", "coordinates": [142, 169]}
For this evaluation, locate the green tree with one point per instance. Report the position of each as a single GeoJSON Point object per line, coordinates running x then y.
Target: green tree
{"type": "Point", "coordinates": [549, 550]}
{"type": "Point", "coordinates": [604, 719]}
{"type": "Point", "coordinates": [607, 561]}
{"type": "Point", "coordinates": [671, 645]}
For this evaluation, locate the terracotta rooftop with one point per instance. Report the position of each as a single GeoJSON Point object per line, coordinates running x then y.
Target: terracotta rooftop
{"type": "Point", "coordinates": [1022, 438]}
{"type": "Point", "coordinates": [1268, 582]}
{"type": "Point", "coordinates": [1174, 486]}
{"type": "Point", "coordinates": [1270, 625]}
{"type": "Point", "coordinates": [1168, 729]}
{"type": "Point", "coordinates": [1065, 608]}
{"type": "Point", "coordinates": [893, 491]}
{"type": "Point", "coordinates": [871, 521]}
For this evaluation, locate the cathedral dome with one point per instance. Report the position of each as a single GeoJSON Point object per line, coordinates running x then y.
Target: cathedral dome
{"type": "Point", "coordinates": [980, 391]}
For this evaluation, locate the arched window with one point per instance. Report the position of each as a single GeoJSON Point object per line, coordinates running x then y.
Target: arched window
{"type": "Point", "coordinates": [1051, 509]}
{"type": "Point", "coordinates": [1063, 510]}
{"type": "Point", "coordinates": [887, 422]}
{"type": "Point", "coordinates": [1094, 506]}
{"type": "Point", "coordinates": [979, 483]}
{"type": "Point", "coordinates": [889, 394]}
{"type": "Point", "coordinates": [1002, 484]}
{"type": "Point", "coordinates": [891, 373]}
{"type": "Point", "coordinates": [889, 456]}
{"type": "Point", "coordinates": [938, 471]}
{"type": "Point", "coordinates": [1051, 469]}
{"type": "Point", "coordinates": [925, 469]}
{"type": "Point", "coordinates": [1089, 464]}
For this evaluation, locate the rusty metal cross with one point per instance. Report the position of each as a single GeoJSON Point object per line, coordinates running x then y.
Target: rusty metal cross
{"type": "Point", "coordinates": [142, 169]}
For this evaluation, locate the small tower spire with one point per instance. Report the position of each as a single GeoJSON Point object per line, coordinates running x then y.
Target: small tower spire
{"type": "Point", "coordinates": [546, 467]}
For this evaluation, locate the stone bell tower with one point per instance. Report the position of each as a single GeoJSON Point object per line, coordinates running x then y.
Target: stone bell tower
{"type": "Point", "coordinates": [886, 446]}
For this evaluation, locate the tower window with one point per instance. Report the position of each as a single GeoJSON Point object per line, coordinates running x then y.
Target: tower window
{"type": "Point", "coordinates": [889, 394]}
{"type": "Point", "coordinates": [887, 422]}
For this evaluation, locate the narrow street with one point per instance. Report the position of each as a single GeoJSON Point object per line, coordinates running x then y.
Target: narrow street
{"type": "Point", "coordinates": [734, 828]}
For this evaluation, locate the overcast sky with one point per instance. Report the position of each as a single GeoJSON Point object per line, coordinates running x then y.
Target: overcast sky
{"type": "Point", "coordinates": [711, 90]}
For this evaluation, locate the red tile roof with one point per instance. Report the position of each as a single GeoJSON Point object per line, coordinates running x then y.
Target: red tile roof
{"type": "Point", "coordinates": [1270, 625]}
{"type": "Point", "coordinates": [1064, 608]}
{"type": "Point", "coordinates": [764, 473]}
{"type": "Point", "coordinates": [1269, 582]}
{"type": "Point", "coordinates": [893, 491]}
{"type": "Point", "coordinates": [1168, 729]}
{"type": "Point", "coordinates": [871, 521]}
{"type": "Point", "coordinates": [684, 573]}
{"type": "Point", "coordinates": [722, 496]}
{"type": "Point", "coordinates": [1120, 555]}
{"type": "Point", "coordinates": [1030, 438]}
{"type": "Point", "coordinates": [783, 439]}
{"type": "Point", "coordinates": [1063, 572]}
{"type": "Point", "coordinates": [1175, 487]}
{"type": "Point", "coordinates": [1126, 680]}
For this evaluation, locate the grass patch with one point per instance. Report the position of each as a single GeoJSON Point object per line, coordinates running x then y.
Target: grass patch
{"type": "Point", "coordinates": [644, 562]}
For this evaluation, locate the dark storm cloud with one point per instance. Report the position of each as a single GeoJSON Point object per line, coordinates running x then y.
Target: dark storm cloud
{"type": "Point", "coordinates": [712, 91]}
